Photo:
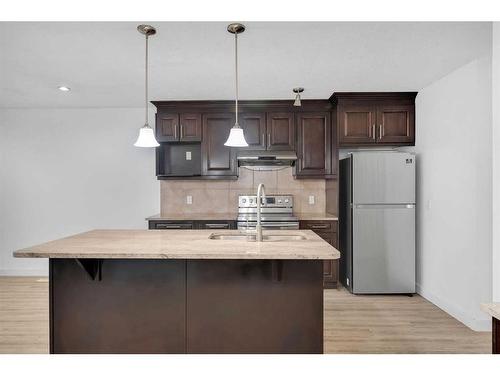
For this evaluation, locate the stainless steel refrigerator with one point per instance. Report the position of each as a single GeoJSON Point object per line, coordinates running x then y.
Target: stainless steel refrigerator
{"type": "Point", "coordinates": [377, 222]}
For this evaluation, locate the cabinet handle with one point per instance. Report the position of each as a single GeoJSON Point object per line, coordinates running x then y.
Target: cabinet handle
{"type": "Point", "coordinates": [168, 226]}
{"type": "Point", "coordinates": [175, 132]}
{"type": "Point", "coordinates": [373, 131]}
{"type": "Point", "coordinates": [217, 226]}
{"type": "Point", "coordinates": [268, 139]}
{"type": "Point", "coordinates": [380, 130]}
{"type": "Point", "coordinates": [319, 226]}
{"type": "Point", "coordinates": [263, 139]}
{"type": "Point", "coordinates": [182, 131]}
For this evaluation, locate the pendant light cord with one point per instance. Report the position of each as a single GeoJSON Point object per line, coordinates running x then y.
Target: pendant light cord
{"type": "Point", "coordinates": [146, 85]}
{"type": "Point", "coordinates": [236, 70]}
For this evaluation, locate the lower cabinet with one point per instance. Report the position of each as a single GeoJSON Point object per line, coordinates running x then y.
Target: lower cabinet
{"type": "Point", "coordinates": [327, 230]}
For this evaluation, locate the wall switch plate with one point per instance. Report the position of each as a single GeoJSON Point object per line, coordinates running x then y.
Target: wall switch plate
{"type": "Point", "coordinates": [188, 155]}
{"type": "Point", "coordinates": [311, 199]}
{"type": "Point", "coordinates": [189, 199]}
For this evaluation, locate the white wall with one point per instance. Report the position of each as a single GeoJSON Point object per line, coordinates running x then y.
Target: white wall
{"type": "Point", "coordinates": [64, 171]}
{"type": "Point", "coordinates": [496, 159]}
{"type": "Point", "coordinates": [454, 175]}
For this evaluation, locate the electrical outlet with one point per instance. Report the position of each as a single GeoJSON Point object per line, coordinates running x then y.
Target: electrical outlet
{"type": "Point", "coordinates": [311, 199]}
{"type": "Point", "coordinates": [188, 155]}
{"type": "Point", "coordinates": [189, 199]}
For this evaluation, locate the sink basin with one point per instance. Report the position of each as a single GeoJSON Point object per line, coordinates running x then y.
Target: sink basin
{"type": "Point", "coordinates": [251, 237]}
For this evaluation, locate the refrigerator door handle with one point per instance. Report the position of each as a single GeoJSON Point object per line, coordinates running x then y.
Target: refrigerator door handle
{"type": "Point", "coordinates": [377, 206]}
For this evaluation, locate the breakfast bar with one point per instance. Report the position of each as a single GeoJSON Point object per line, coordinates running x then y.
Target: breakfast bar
{"type": "Point", "coordinates": [185, 291]}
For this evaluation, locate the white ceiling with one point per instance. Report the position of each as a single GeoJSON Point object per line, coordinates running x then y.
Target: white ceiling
{"type": "Point", "coordinates": [103, 63]}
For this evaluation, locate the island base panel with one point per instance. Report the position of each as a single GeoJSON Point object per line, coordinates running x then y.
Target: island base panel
{"type": "Point", "coordinates": [137, 307]}
{"type": "Point", "coordinates": [237, 306]}
{"type": "Point", "coordinates": [187, 306]}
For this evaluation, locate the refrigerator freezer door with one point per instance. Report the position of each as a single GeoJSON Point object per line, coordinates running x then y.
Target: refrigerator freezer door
{"type": "Point", "coordinates": [383, 177]}
{"type": "Point", "coordinates": [383, 249]}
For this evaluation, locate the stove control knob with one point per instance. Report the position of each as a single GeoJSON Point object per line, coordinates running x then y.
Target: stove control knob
{"type": "Point", "coordinates": [250, 200]}
{"type": "Point", "coordinates": [279, 200]}
{"type": "Point", "coordinates": [286, 200]}
{"type": "Point", "coordinates": [243, 200]}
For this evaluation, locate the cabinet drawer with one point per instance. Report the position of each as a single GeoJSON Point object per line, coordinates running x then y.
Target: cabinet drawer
{"type": "Point", "coordinates": [171, 225]}
{"type": "Point", "coordinates": [215, 224]}
{"type": "Point", "coordinates": [320, 226]}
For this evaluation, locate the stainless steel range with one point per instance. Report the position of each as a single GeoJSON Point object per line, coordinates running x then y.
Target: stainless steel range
{"type": "Point", "coordinates": [276, 212]}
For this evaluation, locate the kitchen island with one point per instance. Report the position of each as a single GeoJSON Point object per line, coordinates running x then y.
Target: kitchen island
{"type": "Point", "coordinates": [185, 291]}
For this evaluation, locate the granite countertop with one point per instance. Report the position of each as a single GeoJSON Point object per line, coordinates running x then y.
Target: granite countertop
{"type": "Point", "coordinates": [492, 309]}
{"type": "Point", "coordinates": [231, 216]}
{"type": "Point", "coordinates": [179, 244]}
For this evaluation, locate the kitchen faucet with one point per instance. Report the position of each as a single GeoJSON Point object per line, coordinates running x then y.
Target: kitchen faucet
{"type": "Point", "coordinates": [261, 193]}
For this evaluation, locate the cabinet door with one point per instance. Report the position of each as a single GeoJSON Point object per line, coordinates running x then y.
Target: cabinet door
{"type": "Point", "coordinates": [217, 159]}
{"type": "Point", "coordinates": [356, 124]}
{"type": "Point", "coordinates": [396, 124]}
{"type": "Point", "coordinates": [190, 127]}
{"type": "Point", "coordinates": [280, 131]}
{"type": "Point", "coordinates": [254, 127]}
{"type": "Point", "coordinates": [314, 144]}
{"type": "Point", "coordinates": [167, 127]}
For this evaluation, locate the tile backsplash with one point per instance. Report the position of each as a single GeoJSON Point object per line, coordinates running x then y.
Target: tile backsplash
{"type": "Point", "coordinates": [222, 196]}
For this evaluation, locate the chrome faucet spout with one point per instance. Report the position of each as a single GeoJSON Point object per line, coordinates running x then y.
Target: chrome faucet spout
{"type": "Point", "coordinates": [261, 193]}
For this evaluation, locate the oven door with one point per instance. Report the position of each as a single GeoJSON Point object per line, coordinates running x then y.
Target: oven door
{"type": "Point", "coordinates": [275, 225]}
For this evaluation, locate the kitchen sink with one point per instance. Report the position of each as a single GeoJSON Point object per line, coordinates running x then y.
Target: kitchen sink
{"type": "Point", "coordinates": [252, 237]}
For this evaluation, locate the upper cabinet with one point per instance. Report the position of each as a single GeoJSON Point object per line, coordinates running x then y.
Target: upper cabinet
{"type": "Point", "coordinates": [269, 131]}
{"type": "Point", "coordinates": [280, 131]}
{"type": "Point", "coordinates": [314, 144]}
{"type": "Point", "coordinates": [192, 136]}
{"type": "Point", "coordinates": [375, 118]}
{"type": "Point", "coordinates": [217, 159]}
{"type": "Point", "coordinates": [178, 127]}
{"type": "Point", "coordinates": [254, 127]}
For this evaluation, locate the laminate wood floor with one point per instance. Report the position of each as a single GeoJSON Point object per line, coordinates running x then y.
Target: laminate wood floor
{"type": "Point", "coordinates": [353, 324]}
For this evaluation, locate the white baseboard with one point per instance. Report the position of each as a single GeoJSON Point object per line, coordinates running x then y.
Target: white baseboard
{"type": "Point", "coordinates": [455, 311]}
{"type": "Point", "coordinates": [42, 272]}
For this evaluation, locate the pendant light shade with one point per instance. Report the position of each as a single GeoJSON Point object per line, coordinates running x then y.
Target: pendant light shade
{"type": "Point", "coordinates": [297, 91]}
{"type": "Point", "coordinates": [146, 134]}
{"type": "Point", "coordinates": [146, 137]}
{"type": "Point", "coordinates": [236, 137]}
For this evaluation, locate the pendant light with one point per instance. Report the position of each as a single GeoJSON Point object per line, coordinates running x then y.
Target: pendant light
{"type": "Point", "coordinates": [297, 91]}
{"type": "Point", "coordinates": [146, 134]}
{"type": "Point", "coordinates": [236, 137]}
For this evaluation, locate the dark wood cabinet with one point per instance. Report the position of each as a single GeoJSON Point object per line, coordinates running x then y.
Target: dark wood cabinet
{"type": "Point", "coordinates": [314, 144]}
{"type": "Point", "coordinates": [280, 131]}
{"type": "Point", "coordinates": [167, 127]}
{"type": "Point", "coordinates": [396, 123]}
{"type": "Point", "coordinates": [327, 230]}
{"type": "Point", "coordinates": [175, 127]}
{"type": "Point", "coordinates": [190, 127]}
{"type": "Point", "coordinates": [192, 136]}
{"type": "Point", "coordinates": [217, 159]}
{"type": "Point", "coordinates": [366, 119]}
{"type": "Point", "coordinates": [357, 124]}
{"type": "Point", "coordinates": [254, 126]}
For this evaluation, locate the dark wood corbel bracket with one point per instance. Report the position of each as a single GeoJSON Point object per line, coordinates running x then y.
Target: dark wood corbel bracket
{"type": "Point", "coordinates": [93, 267]}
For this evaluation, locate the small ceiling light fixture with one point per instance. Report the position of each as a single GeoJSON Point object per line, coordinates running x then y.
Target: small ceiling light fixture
{"type": "Point", "coordinates": [236, 137]}
{"type": "Point", "coordinates": [64, 88]}
{"type": "Point", "coordinates": [146, 135]}
{"type": "Point", "coordinates": [297, 91]}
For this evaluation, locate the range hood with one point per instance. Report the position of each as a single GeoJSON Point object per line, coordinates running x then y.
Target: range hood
{"type": "Point", "coordinates": [266, 160]}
